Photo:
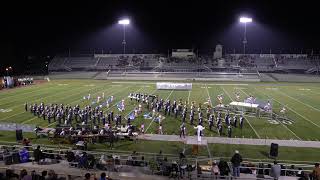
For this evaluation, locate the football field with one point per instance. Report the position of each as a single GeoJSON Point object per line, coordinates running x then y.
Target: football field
{"type": "Point", "coordinates": [302, 101]}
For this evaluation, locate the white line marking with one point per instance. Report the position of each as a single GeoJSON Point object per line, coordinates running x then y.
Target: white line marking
{"type": "Point", "coordinates": [28, 92]}
{"type": "Point", "coordinates": [246, 118]}
{"type": "Point", "coordinates": [36, 94]}
{"type": "Point", "coordinates": [209, 95]}
{"type": "Point", "coordinates": [189, 97]}
{"type": "Point", "coordinates": [229, 84]}
{"type": "Point", "coordinates": [300, 101]}
{"type": "Point", "coordinates": [53, 95]}
{"type": "Point", "coordinates": [165, 100]}
{"type": "Point", "coordinates": [129, 82]}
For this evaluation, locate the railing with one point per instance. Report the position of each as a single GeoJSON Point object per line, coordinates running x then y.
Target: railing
{"type": "Point", "coordinates": [119, 159]}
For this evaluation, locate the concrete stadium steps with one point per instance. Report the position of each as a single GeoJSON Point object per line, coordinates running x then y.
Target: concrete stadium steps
{"type": "Point", "coordinates": [102, 75]}
{"type": "Point", "coordinates": [56, 63]}
{"type": "Point", "coordinates": [264, 77]}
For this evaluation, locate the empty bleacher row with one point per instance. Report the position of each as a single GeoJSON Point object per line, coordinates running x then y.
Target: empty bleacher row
{"type": "Point", "coordinates": [231, 67]}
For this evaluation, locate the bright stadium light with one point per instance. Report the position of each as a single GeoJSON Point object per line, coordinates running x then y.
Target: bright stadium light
{"type": "Point", "coordinates": [245, 20]}
{"type": "Point", "coordinates": [124, 23]}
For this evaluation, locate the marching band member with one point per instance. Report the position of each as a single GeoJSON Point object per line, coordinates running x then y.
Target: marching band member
{"type": "Point", "coordinates": [283, 110]}
{"type": "Point", "coordinates": [238, 96]}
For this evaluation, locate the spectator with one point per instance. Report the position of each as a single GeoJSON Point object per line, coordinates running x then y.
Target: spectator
{"type": "Point", "coordinates": [103, 176]}
{"type": "Point", "coordinates": [43, 175]}
{"type": "Point", "coordinates": [267, 170]}
{"type": "Point", "coordinates": [159, 157]}
{"type": "Point", "coordinates": [260, 172]}
{"type": "Point", "coordinates": [199, 170]}
{"type": "Point", "coordinates": [37, 154]}
{"type": "Point", "coordinates": [215, 169]}
{"type": "Point", "coordinates": [34, 175]}
{"type": "Point", "coordinates": [236, 160]}
{"type": "Point", "coordinates": [70, 156]}
{"type": "Point", "coordinates": [301, 174]}
{"type": "Point", "coordinates": [87, 176]}
{"type": "Point", "coordinates": [51, 175]}
{"type": "Point", "coordinates": [316, 172]}
{"type": "Point", "coordinates": [224, 168]}
{"type": "Point", "coordinates": [83, 163]}
{"type": "Point", "coordinates": [24, 175]}
{"type": "Point", "coordinates": [275, 170]}
{"type": "Point", "coordinates": [26, 142]}
{"type": "Point", "coordinates": [291, 173]}
{"type": "Point", "coordinates": [182, 164]}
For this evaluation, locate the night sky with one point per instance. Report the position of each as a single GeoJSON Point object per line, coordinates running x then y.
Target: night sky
{"type": "Point", "coordinates": [51, 27]}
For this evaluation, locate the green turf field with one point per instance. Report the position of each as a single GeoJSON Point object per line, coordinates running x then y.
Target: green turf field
{"type": "Point", "coordinates": [301, 100]}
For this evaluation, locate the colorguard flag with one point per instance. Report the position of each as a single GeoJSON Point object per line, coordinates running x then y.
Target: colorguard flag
{"type": "Point", "coordinates": [131, 115]}
{"type": "Point", "coordinates": [147, 115]}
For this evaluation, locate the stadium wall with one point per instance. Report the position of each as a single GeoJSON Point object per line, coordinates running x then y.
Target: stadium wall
{"type": "Point", "coordinates": [183, 76]}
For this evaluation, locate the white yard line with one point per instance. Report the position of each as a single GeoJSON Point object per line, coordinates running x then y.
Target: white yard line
{"type": "Point", "coordinates": [278, 121]}
{"type": "Point", "coordinates": [299, 101]}
{"type": "Point", "coordinates": [189, 97]}
{"type": "Point", "coordinates": [314, 92]}
{"type": "Point", "coordinates": [246, 118]}
{"type": "Point", "coordinates": [209, 95]}
{"type": "Point", "coordinates": [165, 100]}
{"type": "Point", "coordinates": [24, 93]}
{"type": "Point", "coordinates": [24, 122]}
{"type": "Point", "coordinates": [130, 82]}
{"type": "Point", "coordinates": [229, 84]}
{"type": "Point", "coordinates": [53, 95]}
{"type": "Point", "coordinates": [291, 109]}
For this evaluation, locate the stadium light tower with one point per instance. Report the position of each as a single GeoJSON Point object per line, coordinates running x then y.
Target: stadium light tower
{"type": "Point", "coordinates": [124, 23]}
{"type": "Point", "coordinates": [245, 20]}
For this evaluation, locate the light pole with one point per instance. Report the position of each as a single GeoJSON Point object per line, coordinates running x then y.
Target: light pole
{"type": "Point", "coordinates": [124, 23]}
{"type": "Point", "coordinates": [245, 20]}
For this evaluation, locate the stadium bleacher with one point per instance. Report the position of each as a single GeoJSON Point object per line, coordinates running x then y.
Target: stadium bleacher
{"type": "Point", "coordinates": [230, 67]}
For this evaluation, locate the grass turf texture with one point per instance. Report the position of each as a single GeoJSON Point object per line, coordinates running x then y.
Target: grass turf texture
{"type": "Point", "coordinates": [301, 99]}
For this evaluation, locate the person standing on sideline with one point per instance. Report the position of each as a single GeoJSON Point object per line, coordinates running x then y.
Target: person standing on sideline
{"type": "Point", "coordinates": [229, 131]}
{"type": "Point", "coordinates": [183, 130]}
{"type": "Point", "coordinates": [236, 160]}
{"type": "Point", "coordinates": [160, 129]}
{"type": "Point", "coordinates": [199, 129]}
{"type": "Point", "coordinates": [142, 128]}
